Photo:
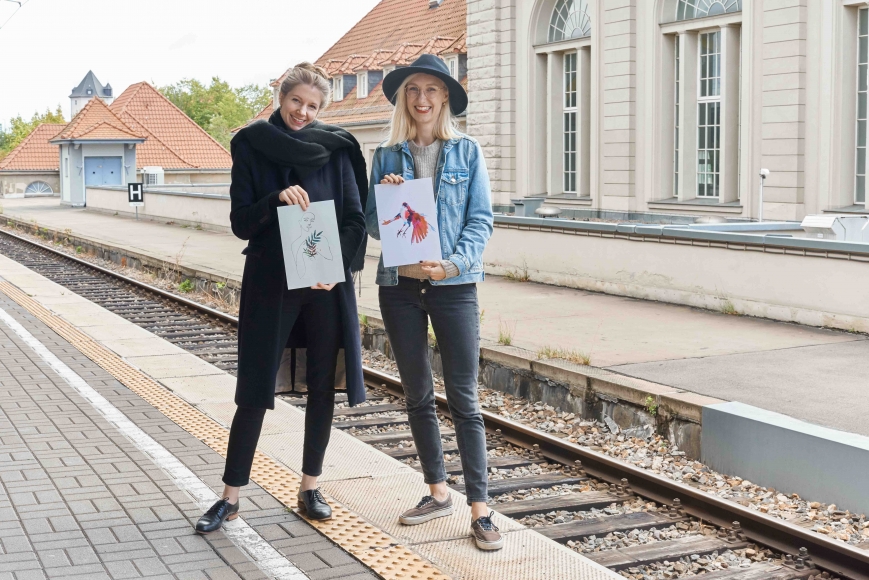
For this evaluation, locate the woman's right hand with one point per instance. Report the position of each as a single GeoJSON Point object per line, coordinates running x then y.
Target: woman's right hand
{"type": "Point", "coordinates": [391, 178]}
{"type": "Point", "coordinates": [295, 195]}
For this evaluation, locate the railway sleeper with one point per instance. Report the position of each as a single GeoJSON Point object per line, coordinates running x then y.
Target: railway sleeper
{"type": "Point", "coordinates": [396, 436]}
{"type": "Point", "coordinates": [510, 484]}
{"type": "Point", "coordinates": [508, 462]}
{"type": "Point", "coordinates": [571, 502]}
{"type": "Point", "coordinates": [410, 451]}
{"type": "Point", "coordinates": [358, 411]}
{"type": "Point", "coordinates": [578, 529]}
{"type": "Point", "coordinates": [372, 422]}
{"type": "Point", "coordinates": [761, 571]}
{"type": "Point", "coordinates": [671, 550]}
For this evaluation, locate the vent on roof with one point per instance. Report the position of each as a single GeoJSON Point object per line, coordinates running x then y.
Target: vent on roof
{"type": "Point", "coordinates": [153, 175]}
{"type": "Point", "coordinates": [434, 3]}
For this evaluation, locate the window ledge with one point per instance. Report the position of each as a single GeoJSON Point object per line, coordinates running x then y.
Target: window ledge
{"type": "Point", "coordinates": [700, 205]}
{"type": "Point", "coordinates": [567, 199]}
{"type": "Point", "coordinates": [858, 209]}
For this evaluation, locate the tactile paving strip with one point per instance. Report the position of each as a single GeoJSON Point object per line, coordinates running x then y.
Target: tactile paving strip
{"type": "Point", "coordinates": [370, 545]}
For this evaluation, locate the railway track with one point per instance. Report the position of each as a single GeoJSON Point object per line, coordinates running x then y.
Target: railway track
{"type": "Point", "coordinates": [542, 475]}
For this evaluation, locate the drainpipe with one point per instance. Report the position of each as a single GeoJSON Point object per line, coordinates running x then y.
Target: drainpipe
{"type": "Point", "coordinates": [764, 173]}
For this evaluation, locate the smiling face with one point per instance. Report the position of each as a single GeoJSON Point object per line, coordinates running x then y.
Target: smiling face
{"type": "Point", "coordinates": [425, 95]}
{"type": "Point", "coordinates": [307, 221]}
{"type": "Point", "coordinates": [300, 107]}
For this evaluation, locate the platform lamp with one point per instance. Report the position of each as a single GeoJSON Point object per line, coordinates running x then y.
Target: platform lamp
{"type": "Point", "coordinates": [764, 173]}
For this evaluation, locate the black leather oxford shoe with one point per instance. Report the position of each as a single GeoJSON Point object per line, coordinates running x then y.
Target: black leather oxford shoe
{"type": "Point", "coordinates": [215, 516]}
{"type": "Point", "coordinates": [313, 506]}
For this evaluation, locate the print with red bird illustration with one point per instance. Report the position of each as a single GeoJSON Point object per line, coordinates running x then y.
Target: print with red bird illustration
{"type": "Point", "coordinates": [413, 221]}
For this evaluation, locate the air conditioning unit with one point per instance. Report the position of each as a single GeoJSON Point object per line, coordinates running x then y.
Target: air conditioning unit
{"type": "Point", "coordinates": [152, 175]}
{"type": "Point", "coordinates": [845, 228]}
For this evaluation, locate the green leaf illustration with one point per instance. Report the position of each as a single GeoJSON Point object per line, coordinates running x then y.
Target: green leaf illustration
{"type": "Point", "coordinates": [311, 244]}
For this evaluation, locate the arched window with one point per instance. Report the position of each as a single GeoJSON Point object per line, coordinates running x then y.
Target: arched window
{"type": "Point", "coordinates": [688, 9]}
{"type": "Point", "coordinates": [569, 20]}
{"type": "Point", "coordinates": [38, 187]}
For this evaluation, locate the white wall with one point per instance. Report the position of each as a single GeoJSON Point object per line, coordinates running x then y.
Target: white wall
{"type": "Point", "coordinates": [210, 212]}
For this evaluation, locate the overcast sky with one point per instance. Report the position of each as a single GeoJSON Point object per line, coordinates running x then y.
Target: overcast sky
{"type": "Point", "coordinates": [49, 45]}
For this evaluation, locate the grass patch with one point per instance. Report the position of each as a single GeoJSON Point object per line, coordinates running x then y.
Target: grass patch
{"type": "Point", "coordinates": [574, 356]}
{"type": "Point", "coordinates": [520, 275]}
{"type": "Point", "coordinates": [651, 406]}
{"type": "Point", "coordinates": [729, 308]}
{"type": "Point", "coordinates": [505, 333]}
{"type": "Point", "coordinates": [363, 320]}
{"type": "Point", "coordinates": [185, 286]}
{"type": "Point", "coordinates": [79, 249]}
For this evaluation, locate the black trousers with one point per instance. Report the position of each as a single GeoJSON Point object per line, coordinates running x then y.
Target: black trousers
{"type": "Point", "coordinates": [319, 310]}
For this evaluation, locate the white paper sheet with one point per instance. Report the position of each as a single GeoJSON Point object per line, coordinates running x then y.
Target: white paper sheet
{"type": "Point", "coordinates": [312, 248]}
{"type": "Point", "coordinates": [408, 222]}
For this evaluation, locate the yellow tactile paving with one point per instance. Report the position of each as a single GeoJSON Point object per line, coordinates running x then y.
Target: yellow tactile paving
{"type": "Point", "coordinates": [372, 546]}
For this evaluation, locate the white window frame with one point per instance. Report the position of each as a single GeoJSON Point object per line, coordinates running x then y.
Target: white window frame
{"type": "Point", "coordinates": [362, 85]}
{"type": "Point", "coordinates": [704, 102]}
{"type": "Point", "coordinates": [676, 104]}
{"type": "Point", "coordinates": [338, 88]}
{"type": "Point", "coordinates": [864, 91]}
{"type": "Point", "coordinates": [388, 69]}
{"type": "Point", "coordinates": [569, 112]}
{"type": "Point", "coordinates": [453, 66]}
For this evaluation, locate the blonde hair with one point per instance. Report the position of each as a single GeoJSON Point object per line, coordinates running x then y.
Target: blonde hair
{"type": "Point", "coordinates": [306, 73]}
{"type": "Point", "coordinates": [402, 127]}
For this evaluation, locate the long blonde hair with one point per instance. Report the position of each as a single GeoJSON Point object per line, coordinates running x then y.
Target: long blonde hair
{"type": "Point", "coordinates": [402, 127]}
{"type": "Point", "coordinates": [306, 73]}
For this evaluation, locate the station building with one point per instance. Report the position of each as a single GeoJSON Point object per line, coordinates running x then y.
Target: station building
{"type": "Point", "coordinates": [138, 136]}
{"type": "Point", "coordinates": [673, 105]}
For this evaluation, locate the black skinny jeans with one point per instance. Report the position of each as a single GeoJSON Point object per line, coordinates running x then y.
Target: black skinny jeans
{"type": "Point", "coordinates": [319, 309]}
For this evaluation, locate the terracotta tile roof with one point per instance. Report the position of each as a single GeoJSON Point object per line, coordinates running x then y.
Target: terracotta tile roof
{"type": "Point", "coordinates": [175, 141]}
{"type": "Point", "coordinates": [459, 46]}
{"type": "Point", "coordinates": [393, 22]}
{"type": "Point", "coordinates": [35, 153]}
{"type": "Point", "coordinates": [97, 121]}
{"type": "Point", "coordinates": [403, 54]}
{"type": "Point", "coordinates": [373, 62]}
{"type": "Point", "coordinates": [264, 114]}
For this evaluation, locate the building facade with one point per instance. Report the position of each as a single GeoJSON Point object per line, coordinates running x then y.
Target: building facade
{"type": "Point", "coordinates": [673, 106]}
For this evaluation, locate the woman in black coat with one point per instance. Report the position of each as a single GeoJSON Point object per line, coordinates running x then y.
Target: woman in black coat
{"type": "Point", "coordinates": [291, 159]}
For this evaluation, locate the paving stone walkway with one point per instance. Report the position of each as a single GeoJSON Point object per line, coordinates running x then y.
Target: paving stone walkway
{"type": "Point", "coordinates": [79, 500]}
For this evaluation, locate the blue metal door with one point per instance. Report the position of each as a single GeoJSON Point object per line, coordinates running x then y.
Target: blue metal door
{"type": "Point", "coordinates": [103, 171]}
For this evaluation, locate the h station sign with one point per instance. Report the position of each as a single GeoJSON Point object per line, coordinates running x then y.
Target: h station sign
{"type": "Point", "coordinates": [136, 194]}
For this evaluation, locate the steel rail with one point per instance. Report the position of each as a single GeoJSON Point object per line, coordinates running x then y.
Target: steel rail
{"type": "Point", "coordinates": [828, 554]}
{"type": "Point", "coordinates": [780, 535]}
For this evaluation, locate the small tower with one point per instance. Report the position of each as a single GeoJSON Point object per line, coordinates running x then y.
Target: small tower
{"type": "Point", "coordinates": [87, 89]}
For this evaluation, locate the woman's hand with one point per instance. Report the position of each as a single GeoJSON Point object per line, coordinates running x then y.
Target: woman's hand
{"type": "Point", "coordinates": [321, 286]}
{"type": "Point", "coordinates": [295, 195]}
{"type": "Point", "coordinates": [391, 178]}
{"type": "Point", "coordinates": [435, 270]}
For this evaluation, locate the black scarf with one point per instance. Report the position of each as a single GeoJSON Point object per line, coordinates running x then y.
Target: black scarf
{"type": "Point", "coordinates": [306, 151]}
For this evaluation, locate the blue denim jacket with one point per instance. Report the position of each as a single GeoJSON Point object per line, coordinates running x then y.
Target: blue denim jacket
{"type": "Point", "coordinates": [464, 205]}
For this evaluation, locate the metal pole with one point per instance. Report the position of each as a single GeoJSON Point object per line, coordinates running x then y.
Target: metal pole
{"type": "Point", "coordinates": [137, 207]}
{"type": "Point", "coordinates": [763, 175]}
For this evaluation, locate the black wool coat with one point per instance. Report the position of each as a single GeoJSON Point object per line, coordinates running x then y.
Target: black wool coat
{"type": "Point", "coordinates": [262, 334]}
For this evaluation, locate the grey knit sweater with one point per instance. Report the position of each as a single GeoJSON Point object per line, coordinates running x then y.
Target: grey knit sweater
{"type": "Point", "coordinates": [425, 163]}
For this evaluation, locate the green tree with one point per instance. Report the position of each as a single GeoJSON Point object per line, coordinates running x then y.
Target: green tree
{"type": "Point", "coordinates": [19, 129]}
{"type": "Point", "coordinates": [218, 108]}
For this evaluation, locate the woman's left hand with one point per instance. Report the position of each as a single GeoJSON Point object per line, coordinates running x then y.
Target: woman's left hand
{"type": "Point", "coordinates": [321, 286]}
{"type": "Point", "coordinates": [435, 270]}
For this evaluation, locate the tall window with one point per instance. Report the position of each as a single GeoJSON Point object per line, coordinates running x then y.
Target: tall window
{"type": "Point", "coordinates": [338, 88]}
{"type": "Point", "coordinates": [862, 90]}
{"type": "Point", "coordinates": [570, 122]}
{"type": "Point", "coordinates": [709, 115]}
{"type": "Point", "coordinates": [689, 9]}
{"type": "Point", "coordinates": [569, 20]}
{"type": "Point", "coordinates": [676, 128]}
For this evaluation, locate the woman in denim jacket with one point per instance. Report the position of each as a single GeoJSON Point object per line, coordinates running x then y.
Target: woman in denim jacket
{"type": "Point", "coordinates": [424, 143]}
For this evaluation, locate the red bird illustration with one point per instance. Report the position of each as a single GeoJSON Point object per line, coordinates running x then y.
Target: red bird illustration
{"type": "Point", "coordinates": [413, 220]}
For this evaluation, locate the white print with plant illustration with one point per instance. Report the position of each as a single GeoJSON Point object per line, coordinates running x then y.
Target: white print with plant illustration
{"type": "Point", "coordinates": [311, 245]}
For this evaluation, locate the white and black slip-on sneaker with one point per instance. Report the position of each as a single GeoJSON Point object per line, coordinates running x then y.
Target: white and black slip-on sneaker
{"type": "Point", "coordinates": [486, 534]}
{"type": "Point", "coordinates": [427, 509]}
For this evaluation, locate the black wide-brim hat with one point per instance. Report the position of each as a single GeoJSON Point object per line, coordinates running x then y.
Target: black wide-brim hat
{"type": "Point", "coordinates": [431, 65]}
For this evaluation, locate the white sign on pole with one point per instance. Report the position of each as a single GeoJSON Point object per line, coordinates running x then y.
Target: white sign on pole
{"type": "Point", "coordinates": [312, 248]}
{"type": "Point", "coordinates": [408, 222]}
{"type": "Point", "coordinates": [136, 194]}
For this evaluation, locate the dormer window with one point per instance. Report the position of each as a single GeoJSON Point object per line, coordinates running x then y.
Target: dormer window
{"type": "Point", "coordinates": [388, 69]}
{"type": "Point", "coordinates": [362, 85]}
{"type": "Point", "coordinates": [338, 88]}
{"type": "Point", "coordinates": [90, 91]}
